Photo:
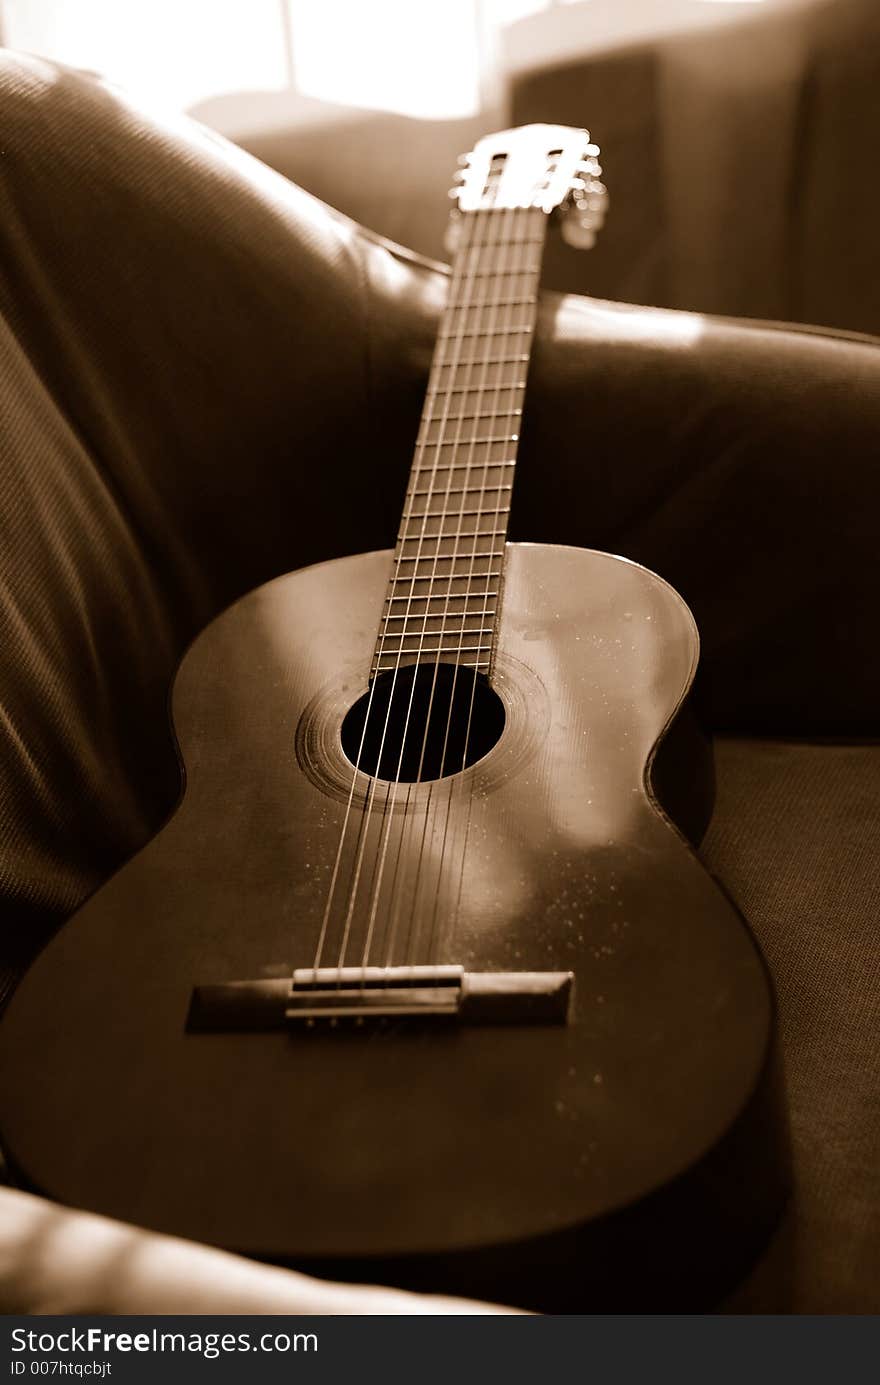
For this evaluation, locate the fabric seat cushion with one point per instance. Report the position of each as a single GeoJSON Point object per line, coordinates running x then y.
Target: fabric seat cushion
{"type": "Point", "coordinates": [796, 841]}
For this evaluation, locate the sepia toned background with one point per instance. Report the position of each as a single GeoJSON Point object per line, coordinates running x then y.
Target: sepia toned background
{"type": "Point", "coordinates": [739, 133]}
{"type": "Point", "coordinates": [191, 344]}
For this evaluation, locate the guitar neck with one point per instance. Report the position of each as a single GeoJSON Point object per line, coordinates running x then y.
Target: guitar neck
{"type": "Point", "coordinates": [444, 591]}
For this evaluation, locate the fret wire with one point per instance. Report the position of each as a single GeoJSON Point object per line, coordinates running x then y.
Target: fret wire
{"type": "Point", "coordinates": [454, 596]}
{"type": "Point", "coordinates": [477, 304]}
{"type": "Point", "coordinates": [425, 615]}
{"type": "Point", "coordinates": [476, 465]}
{"type": "Point", "coordinates": [505, 245]}
{"type": "Point", "coordinates": [511, 331]}
{"type": "Point", "coordinates": [455, 442]}
{"type": "Point", "coordinates": [479, 389]}
{"type": "Point", "coordinates": [441, 635]}
{"type": "Point", "coordinates": [491, 439]}
{"type": "Point", "coordinates": [469, 365]}
{"type": "Point", "coordinates": [485, 414]}
{"type": "Point", "coordinates": [442, 649]}
{"type": "Point", "coordinates": [460, 490]}
{"type": "Point", "coordinates": [456, 514]}
{"type": "Point", "coordinates": [451, 557]}
{"type": "Point", "coordinates": [507, 359]}
{"type": "Point", "coordinates": [455, 534]}
{"type": "Point", "coordinates": [504, 273]}
{"type": "Point", "coordinates": [482, 665]}
{"type": "Point", "coordinates": [450, 576]}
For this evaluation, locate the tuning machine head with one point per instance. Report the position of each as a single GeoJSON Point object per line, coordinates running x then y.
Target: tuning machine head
{"type": "Point", "coordinates": [452, 236]}
{"type": "Point", "coordinates": [585, 207]}
{"type": "Point", "coordinates": [460, 175]}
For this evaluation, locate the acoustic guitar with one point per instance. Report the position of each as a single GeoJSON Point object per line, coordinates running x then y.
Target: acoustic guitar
{"type": "Point", "coordinates": [422, 982]}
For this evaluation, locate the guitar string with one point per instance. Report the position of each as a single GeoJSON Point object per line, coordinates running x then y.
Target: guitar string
{"type": "Point", "coordinates": [392, 582]}
{"type": "Point", "coordinates": [504, 245]}
{"type": "Point", "coordinates": [515, 269]}
{"type": "Point", "coordinates": [391, 785]}
{"type": "Point", "coordinates": [536, 272]}
{"type": "Point", "coordinates": [480, 512]}
{"type": "Point", "coordinates": [464, 305]}
{"type": "Point", "coordinates": [467, 304]}
{"type": "Point", "coordinates": [457, 336]}
{"type": "Point", "coordinates": [408, 516]}
{"type": "Point", "coordinates": [449, 390]}
{"type": "Point", "coordinates": [494, 223]}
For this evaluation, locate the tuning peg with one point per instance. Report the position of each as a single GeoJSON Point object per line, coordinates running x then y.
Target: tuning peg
{"type": "Point", "coordinates": [577, 235]}
{"type": "Point", "coordinates": [591, 205]}
{"type": "Point", "coordinates": [584, 216]}
{"type": "Point", "coordinates": [593, 198]}
{"type": "Point", "coordinates": [463, 160]}
{"type": "Point", "coordinates": [591, 167]}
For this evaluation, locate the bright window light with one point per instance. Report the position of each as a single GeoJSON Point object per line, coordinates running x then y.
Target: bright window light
{"type": "Point", "coordinates": [174, 52]}
{"type": "Point", "coordinates": [395, 55]}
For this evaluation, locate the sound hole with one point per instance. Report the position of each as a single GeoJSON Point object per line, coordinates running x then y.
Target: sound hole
{"type": "Point", "coordinates": [423, 722]}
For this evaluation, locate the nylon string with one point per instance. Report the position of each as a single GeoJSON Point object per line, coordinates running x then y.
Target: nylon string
{"type": "Point", "coordinates": [496, 222]}
{"type": "Point", "coordinates": [365, 814]}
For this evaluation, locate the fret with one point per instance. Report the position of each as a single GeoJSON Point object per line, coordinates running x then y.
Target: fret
{"type": "Point", "coordinates": [470, 441]}
{"type": "Point", "coordinates": [482, 414]}
{"type": "Point", "coordinates": [441, 649]}
{"type": "Point", "coordinates": [453, 534]}
{"type": "Point", "coordinates": [454, 514]}
{"type": "Point", "coordinates": [435, 455]}
{"type": "Point", "coordinates": [459, 490]}
{"type": "Point", "coordinates": [444, 648]}
{"type": "Point", "coordinates": [481, 663]}
{"type": "Point", "coordinates": [449, 538]}
{"type": "Point", "coordinates": [527, 269]}
{"type": "Point", "coordinates": [460, 442]}
{"type": "Point", "coordinates": [478, 389]}
{"type": "Point", "coordinates": [439, 596]}
{"type": "Point", "coordinates": [470, 462]}
{"type": "Point", "coordinates": [449, 389]}
{"type": "Point", "coordinates": [512, 330]}
{"type": "Point", "coordinates": [532, 242]}
{"type": "Point", "coordinates": [444, 615]}
{"type": "Point", "coordinates": [468, 304]}
{"type": "Point", "coordinates": [507, 358]}
{"type": "Point", "coordinates": [481, 464]}
{"type": "Point", "coordinates": [445, 558]}
{"type": "Point", "coordinates": [445, 577]}
{"type": "Point", "coordinates": [437, 635]}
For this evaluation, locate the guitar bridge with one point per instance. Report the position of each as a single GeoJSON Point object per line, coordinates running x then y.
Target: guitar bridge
{"type": "Point", "coordinates": [334, 996]}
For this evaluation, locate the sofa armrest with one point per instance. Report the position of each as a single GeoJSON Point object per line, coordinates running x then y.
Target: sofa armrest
{"type": "Point", "coordinates": [53, 1260]}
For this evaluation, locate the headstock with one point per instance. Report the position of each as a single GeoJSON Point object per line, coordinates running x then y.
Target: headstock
{"type": "Point", "coordinates": [553, 168]}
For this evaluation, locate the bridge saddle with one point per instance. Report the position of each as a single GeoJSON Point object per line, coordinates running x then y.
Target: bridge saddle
{"type": "Point", "coordinates": [334, 996]}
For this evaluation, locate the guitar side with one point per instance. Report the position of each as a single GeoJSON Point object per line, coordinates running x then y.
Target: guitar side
{"type": "Point", "coordinates": [628, 1159]}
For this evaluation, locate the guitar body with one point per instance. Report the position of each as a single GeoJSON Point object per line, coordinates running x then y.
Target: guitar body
{"type": "Point", "coordinates": [627, 1159]}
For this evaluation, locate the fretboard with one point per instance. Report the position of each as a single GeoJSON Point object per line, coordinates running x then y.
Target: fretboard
{"type": "Point", "coordinates": [445, 586]}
